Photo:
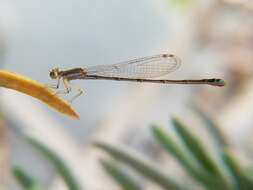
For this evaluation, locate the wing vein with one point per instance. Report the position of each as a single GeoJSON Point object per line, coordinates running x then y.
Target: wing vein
{"type": "Point", "coordinates": [145, 67]}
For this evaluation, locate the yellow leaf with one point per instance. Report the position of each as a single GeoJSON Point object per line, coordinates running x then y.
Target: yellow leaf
{"type": "Point", "coordinates": [37, 90]}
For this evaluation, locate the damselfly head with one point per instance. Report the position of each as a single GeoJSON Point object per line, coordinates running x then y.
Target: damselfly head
{"type": "Point", "coordinates": [54, 73]}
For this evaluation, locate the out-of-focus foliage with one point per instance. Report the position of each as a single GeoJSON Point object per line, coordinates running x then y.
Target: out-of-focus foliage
{"type": "Point", "coordinates": [25, 180]}
{"type": "Point", "coordinates": [242, 179]}
{"type": "Point", "coordinates": [212, 127]}
{"type": "Point", "coordinates": [126, 181]}
{"type": "Point", "coordinates": [58, 163]}
{"type": "Point", "coordinates": [138, 163]}
{"type": "Point", "coordinates": [221, 172]}
{"type": "Point", "coordinates": [200, 166]}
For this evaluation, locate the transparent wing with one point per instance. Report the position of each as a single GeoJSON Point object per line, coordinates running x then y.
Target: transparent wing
{"type": "Point", "coordinates": [146, 67]}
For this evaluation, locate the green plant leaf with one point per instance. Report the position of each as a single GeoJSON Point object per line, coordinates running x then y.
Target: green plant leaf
{"type": "Point", "coordinates": [25, 180]}
{"type": "Point", "coordinates": [196, 148]}
{"type": "Point", "coordinates": [35, 187]}
{"type": "Point", "coordinates": [58, 163]}
{"type": "Point", "coordinates": [199, 152]}
{"type": "Point", "coordinates": [243, 182]}
{"type": "Point", "coordinates": [125, 181]}
{"type": "Point", "coordinates": [183, 156]}
{"type": "Point", "coordinates": [212, 127]}
{"type": "Point", "coordinates": [187, 160]}
{"type": "Point", "coordinates": [138, 163]}
{"type": "Point", "coordinates": [249, 172]}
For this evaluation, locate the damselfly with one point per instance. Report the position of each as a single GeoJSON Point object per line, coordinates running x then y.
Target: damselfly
{"type": "Point", "coordinates": [136, 70]}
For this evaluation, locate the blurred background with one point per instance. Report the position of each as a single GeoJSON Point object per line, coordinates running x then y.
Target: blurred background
{"type": "Point", "coordinates": [213, 38]}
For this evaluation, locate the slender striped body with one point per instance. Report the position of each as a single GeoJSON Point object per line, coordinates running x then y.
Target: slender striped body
{"type": "Point", "coordinates": [80, 73]}
{"type": "Point", "coordinates": [213, 82]}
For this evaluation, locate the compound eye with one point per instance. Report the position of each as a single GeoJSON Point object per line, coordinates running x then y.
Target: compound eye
{"type": "Point", "coordinates": [52, 74]}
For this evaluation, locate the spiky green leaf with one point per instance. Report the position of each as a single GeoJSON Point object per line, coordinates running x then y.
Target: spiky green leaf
{"type": "Point", "coordinates": [58, 164]}
{"type": "Point", "coordinates": [187, 160]}
{"type": "Point", "coordinates": [27, 181]}
{"type": "Point", "coordinates": [141, 165]}
{"type": "Point", "coordinates": [212, 126]}
{"type": "Point", "coordinates": [196, 148]}
{"type": "Point", "coordinates": [243, 182]}
{"type": "Point", "coordinates": [125, 181]}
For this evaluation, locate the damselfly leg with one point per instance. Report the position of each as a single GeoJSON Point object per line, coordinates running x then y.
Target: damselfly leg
{"type": "Point", "coordinates": [80, 92]}
{"type": "Point", "coordinates": [54, 86]}
{"type": "Point", "coordinates": [68, 88]}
